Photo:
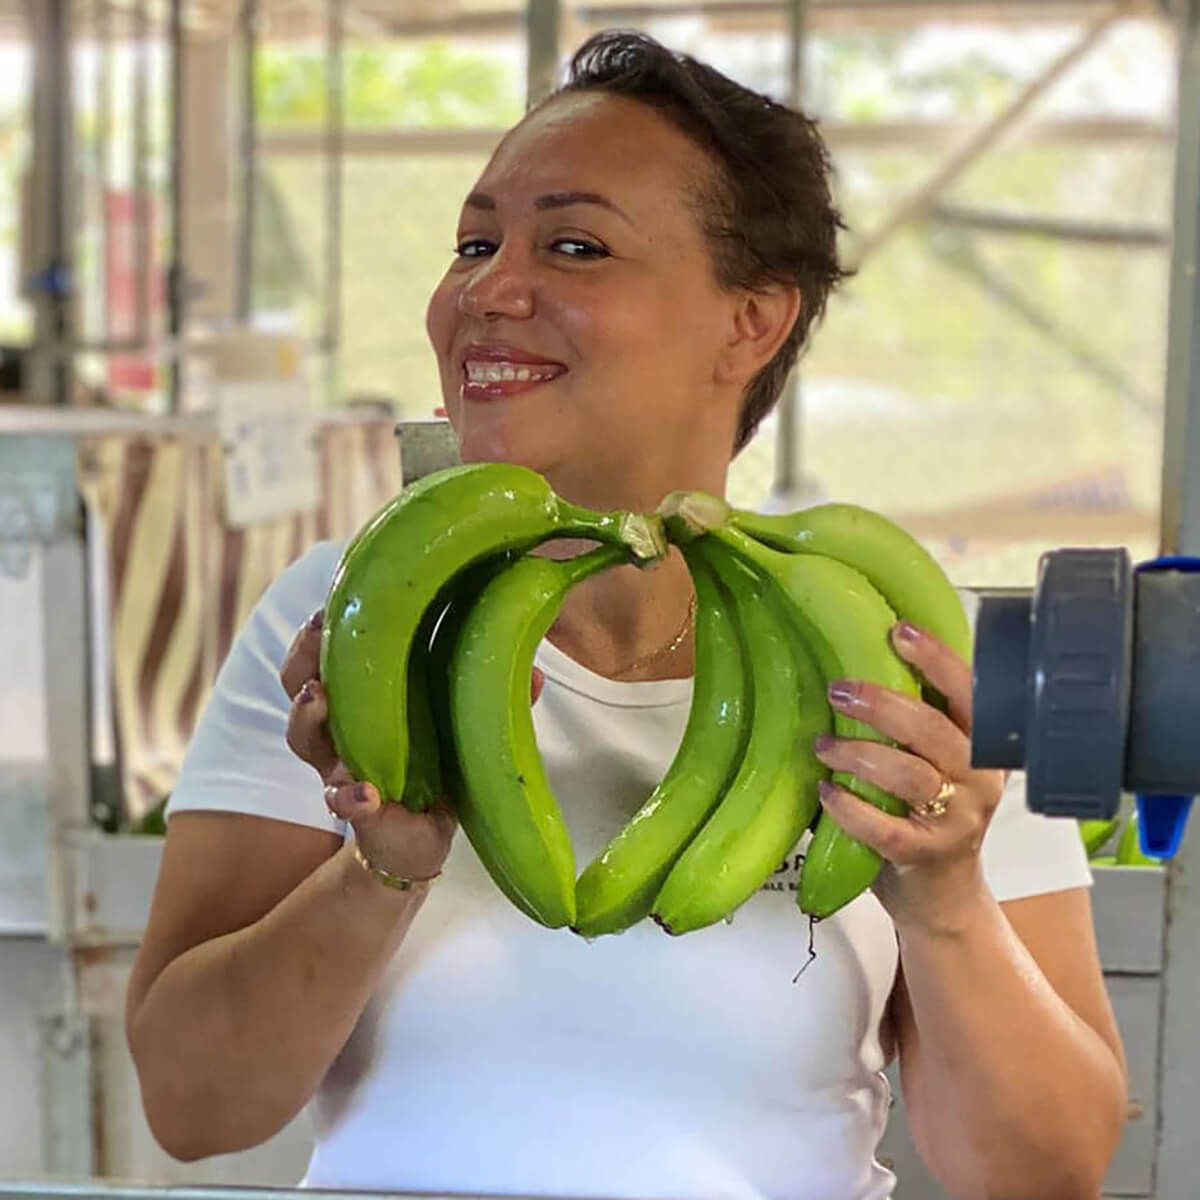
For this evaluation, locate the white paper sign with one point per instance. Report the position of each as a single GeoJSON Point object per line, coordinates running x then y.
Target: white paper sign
{"type": "Point", "coordinates": [268, 434]}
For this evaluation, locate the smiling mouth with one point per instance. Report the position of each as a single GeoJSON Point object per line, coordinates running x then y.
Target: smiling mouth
{"type": "Point", "coordinates": [493, 380]}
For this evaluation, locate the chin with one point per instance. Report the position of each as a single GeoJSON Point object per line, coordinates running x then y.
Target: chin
{"type": "Point", "coordinates": [477, 443]}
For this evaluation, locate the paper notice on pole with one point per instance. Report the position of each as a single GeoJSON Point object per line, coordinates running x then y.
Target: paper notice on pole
{"type": "Point", "coordinates": [268, 437]}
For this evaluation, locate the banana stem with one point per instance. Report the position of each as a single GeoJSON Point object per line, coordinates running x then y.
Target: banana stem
{"type": "Point", "coordinates": [689, 515]}
{"type": "Point", "coordinates": [639, 534]}
{"type": "Point", "coordinates": [592, 562]}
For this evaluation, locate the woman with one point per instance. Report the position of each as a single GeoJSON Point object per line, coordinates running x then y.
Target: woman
{"type": "Point", "coordinates": [635, 272]}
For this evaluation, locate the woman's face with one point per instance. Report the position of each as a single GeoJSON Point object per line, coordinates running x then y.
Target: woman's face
{"type": "Point", "coordinates": [579, 327]}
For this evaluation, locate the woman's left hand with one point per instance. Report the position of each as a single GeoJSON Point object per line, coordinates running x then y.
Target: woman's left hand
{"type": "Point", "coordinates": [932, 862]}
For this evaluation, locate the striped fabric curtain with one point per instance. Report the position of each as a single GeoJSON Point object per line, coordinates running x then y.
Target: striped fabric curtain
{"type": "Point", "coordinates": [180, 583]}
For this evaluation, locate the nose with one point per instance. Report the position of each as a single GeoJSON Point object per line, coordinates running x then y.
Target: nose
{"type": "Point", "coordinates": [499, 287]}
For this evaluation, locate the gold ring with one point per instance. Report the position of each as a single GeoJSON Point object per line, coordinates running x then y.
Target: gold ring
{"type": "Point", "coordinates": [938, 805]}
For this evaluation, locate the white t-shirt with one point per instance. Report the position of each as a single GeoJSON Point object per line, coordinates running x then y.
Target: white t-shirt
{"type": "Point", "coordinates": [499, 1056]}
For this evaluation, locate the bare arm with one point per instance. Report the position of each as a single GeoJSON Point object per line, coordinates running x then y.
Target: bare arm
{"type": "Point", "coordinates": [264, 943]}
{"type": "Point", "coordinates": [1013, 1071]}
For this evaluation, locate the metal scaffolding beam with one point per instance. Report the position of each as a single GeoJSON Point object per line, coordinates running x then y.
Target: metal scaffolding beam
{"type": "Point", "coordinates": [247, 162]}
{"type": "Point", "coordinates": [176, 270]}
{"type": "Point", "coordinates": [788, 432]}
{"type": "Point", "coordinates": [1093, 233]}
{"type": "Point", "coordinates": [543, 23]}
{"type": "Point", "coordinates": [334, 130]}
{"type": "Point", "coordinates": [50, 211]}
{"type": "Point", "coordinates": [920, 201]}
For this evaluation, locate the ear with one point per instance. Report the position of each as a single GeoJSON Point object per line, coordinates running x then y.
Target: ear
{"type": "Point", "coordinates": [759, 323]}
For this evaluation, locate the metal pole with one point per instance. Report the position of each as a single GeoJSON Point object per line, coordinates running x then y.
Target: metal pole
{"type": "Point", "coordinates": [248, 159]}
{"type": "Point", "coordinates": [787, 438]}
{"type": "Point", "coordinates": [176, 275]}
{"type": "Point", "coordinates": [1179, 1052]}
{"type": "Point", "coordinates": [143, 242]}
{"type": "Point", "coordinates": [334, 129]}
{"type": "Point", "coordinates": [542, 31]}
{"type": "Point", "coordinates": [103, 157]}
{"type": "Point", "coordinates": [1181, 440]}
{"type": "Point", "coordinates": [51, 212]}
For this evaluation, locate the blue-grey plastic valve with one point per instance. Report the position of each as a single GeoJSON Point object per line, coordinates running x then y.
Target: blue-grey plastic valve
{"type": "Point", "coordinates": [1091, 683]}
{"type": "Point", "coordinates": [1163, 815]}
{"type": "Point", "coordinates": [1052, 682]}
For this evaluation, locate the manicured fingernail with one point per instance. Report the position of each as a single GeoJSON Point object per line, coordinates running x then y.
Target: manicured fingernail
{"type": "Point", "coordinates": [307, 692]}
{"type": "Point", "coordinates": [843, 691]}
{"type": "Point", "coordinates": [824, 743]}
{"type": "Point", "coordinates": [827, 791]}
{"type": "Point", "coordinates": [909, 634]}
{"type": "Point", "coordinates": [315, 621]}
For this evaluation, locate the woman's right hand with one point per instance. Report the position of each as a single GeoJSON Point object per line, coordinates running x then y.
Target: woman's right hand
{"type": "Point", "coordinates": [410, 844]}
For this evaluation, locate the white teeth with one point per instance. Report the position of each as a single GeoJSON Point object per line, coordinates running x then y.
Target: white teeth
{"type": "Point", "coordinates": [479, 372]}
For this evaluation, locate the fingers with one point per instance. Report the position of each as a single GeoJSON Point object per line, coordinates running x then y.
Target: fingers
{"type": "Point", "coordinates": [307, 732]}
{"type": "Point", "coordinates": [536, 684]}
{"type": "Point", "coordinates": [917, 726]}
{"type": "Point", "coordinates": [348, 800]}
{"type": "Point", "coordinates": [303, 658]}
{"type": "Point", "coordinates": [897, 839]}
{"type": "Point", "coordinates": [904, 775]}
{"type": "Point", "coordinates": [942, 667]}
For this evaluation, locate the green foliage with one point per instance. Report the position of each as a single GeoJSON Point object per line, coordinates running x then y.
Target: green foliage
{"type": "Point", "coordinates": [432, 85]}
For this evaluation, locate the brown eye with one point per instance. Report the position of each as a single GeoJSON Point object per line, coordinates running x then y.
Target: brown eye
{"type": "Point", "coordinates": [475, 248]}
{"type": "Point", "coordinates": [583, 249]}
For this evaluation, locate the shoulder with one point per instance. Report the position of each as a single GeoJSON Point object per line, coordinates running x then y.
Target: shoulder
{"type": "Point", "coordinates": [288, 602]}
{"type": "Point", "coordinates": [301, 588]}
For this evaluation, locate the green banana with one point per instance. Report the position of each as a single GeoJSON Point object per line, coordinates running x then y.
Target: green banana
{"type": "Point", "coordinates": [396, 566]}
{"type": "Point", "coordinates": [1095, 834]}
{"type": "Point", "coordinates": [1129, 847]}
{"type": "Point", "coordinates": [618, 887]}
{"type": "Point", "coordinates": [504, 799]}
{"type": "Point", "coordinates": [460, 596]}
{"type": "Point", "coordinates": [845, 622]}
{"type": "Point", "coordinates": [423, 773]}
{"type": "Point", "coordinates": [899, 567]}
{"type": "Point", "coordinates": [424, 778]}
{"type": "Point", "coordinates": [773, 795]}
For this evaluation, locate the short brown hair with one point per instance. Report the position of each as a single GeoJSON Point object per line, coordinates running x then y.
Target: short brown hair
{"type": "Point", "coordinates": [771, 216]}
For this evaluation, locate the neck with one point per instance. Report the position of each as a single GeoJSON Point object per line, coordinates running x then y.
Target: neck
{"type": "Point", "coordinates": [629, 613]}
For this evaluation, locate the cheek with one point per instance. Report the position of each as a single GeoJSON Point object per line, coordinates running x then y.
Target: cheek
{"type": "Point", "coordinates": [440, 316]}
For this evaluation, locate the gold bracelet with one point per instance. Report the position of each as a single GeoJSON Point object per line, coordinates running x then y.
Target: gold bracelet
{"type": "Point", "coordinates": [399, 882]}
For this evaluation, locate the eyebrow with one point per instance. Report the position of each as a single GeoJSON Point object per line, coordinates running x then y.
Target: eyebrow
{"type": "Point", "coordinates": [551, 200]}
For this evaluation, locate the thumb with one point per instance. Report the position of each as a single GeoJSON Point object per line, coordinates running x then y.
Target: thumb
{"type": "Point", "coordinates": [536, 684]}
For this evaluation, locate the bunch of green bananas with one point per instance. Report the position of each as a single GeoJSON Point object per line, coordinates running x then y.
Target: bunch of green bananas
{"type": "Point", "coordinates": [432, 624]}
{"type": "Point", "coordinates": [1098, 835]}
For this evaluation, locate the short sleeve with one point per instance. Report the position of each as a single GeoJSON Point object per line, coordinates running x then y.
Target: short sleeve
{"type": "Point", "coordinates": [1025, 853]}
{"type": "Point", "coordinates": [239, 759]}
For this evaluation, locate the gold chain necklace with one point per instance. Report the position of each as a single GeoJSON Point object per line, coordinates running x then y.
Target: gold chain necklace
{"type": "Point", "coordinates": [663, 651]}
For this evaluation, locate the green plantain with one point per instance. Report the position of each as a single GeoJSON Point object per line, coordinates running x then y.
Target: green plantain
{"type": "Point", "coordinates": [502, 795]}
{"type": "Point", "coordinates": [899, 567]}
{"type": "Point", "coordinates": [395, 568]}
{"type": "Point", "coordinates": [845, 622]}
{"type": "Point", "coordinates": [619, 886]}
{"type": "Point", "coordinates": [772, 798]}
